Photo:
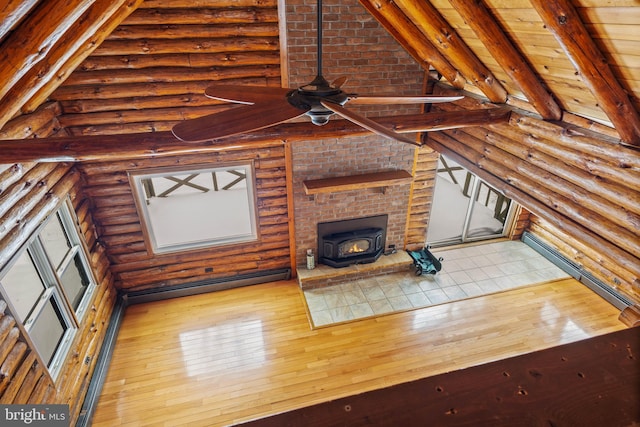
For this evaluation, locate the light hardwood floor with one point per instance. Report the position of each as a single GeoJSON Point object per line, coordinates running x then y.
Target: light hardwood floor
{"type": "Point", "coordinates": [230, 356]}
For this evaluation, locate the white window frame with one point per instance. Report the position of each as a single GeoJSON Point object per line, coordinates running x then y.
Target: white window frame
{"type": "Point", "coordinates": [240, 216]}
{"type": "Point", "coordinates": [50, 276]}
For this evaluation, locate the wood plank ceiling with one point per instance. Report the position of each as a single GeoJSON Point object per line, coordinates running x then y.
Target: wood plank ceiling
{"type": "Point", "coordinates": [112, 67]}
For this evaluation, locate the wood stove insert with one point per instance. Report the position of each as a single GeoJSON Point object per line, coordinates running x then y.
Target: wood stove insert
{"type": "Point", "coordinates": [353, 241]}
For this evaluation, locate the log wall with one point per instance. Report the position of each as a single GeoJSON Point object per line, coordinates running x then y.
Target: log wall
{"type": "Point", "coordinates": [32, 192]}
{"type": "Point", "coordinates": [581, 186]}
{"type": "Point", "coordinates": [29, 193]}
{"type": "Point", "coordinates": [152, 69]}
{"type": "Point", "coordinates": [425, 165]}
{"type": "Point", "coordinates": [120, 229]}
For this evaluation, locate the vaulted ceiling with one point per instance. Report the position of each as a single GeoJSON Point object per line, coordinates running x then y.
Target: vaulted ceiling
{"type": "Point", "coordinates": [107, 67]}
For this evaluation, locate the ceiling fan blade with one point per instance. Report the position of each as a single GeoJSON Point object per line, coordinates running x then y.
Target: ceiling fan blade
{"type": "Point", "coordinates": [367, 123]}
{"type": "Point", "coordinates": [238, 120]}
{"type": "Point", "coordinates": [371, 100]}
{"type": "Point", "coordinates": [337, 83]}
{"type": "Point", "coordinates": [245, 94]}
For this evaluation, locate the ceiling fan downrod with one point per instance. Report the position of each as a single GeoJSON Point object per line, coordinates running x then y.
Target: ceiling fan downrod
{"type": "Point", "coordinates": [310, 96]}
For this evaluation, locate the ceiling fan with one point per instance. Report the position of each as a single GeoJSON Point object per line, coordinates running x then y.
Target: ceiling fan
{"type": "Point", "coordinates": [268, 106]}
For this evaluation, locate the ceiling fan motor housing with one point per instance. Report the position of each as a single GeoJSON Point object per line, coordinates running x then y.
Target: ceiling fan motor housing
{"type": "Point", "coordinates": [309, 98]}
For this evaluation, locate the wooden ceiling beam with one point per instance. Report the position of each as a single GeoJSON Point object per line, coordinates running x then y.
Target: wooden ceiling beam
{"type": "Point", "coordinates": [32, 41]}
{"type": "Point", "coordinates": [562, 19]}
{"type": "Point", "coordinates": [483, 23]}
{"type": "Point", "coordinates": [184, 4]}
{"type": "Point", "coordinates": [412, 39]}
{"type": "Point", "coordinates": [159, 144]}
{"type": "Point", "coordinates": [12, 12]}
{"type": "Point", "coordinates": [453, 48]}
{"type": "Point", "coordinates": [58, 37]}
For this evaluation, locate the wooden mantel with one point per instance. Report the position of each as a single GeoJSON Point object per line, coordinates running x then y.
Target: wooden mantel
{"type": "Point", "coordinates": [357, 182]}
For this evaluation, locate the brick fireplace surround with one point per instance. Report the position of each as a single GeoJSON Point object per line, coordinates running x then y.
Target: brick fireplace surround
{"type": "Point", "coordinates": [358, 47]}
{"type": "Point", "coordinates": [348, 156]}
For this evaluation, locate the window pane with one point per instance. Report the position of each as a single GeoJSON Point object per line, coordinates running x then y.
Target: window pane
{"type": "Point", "coordinates": [464, 208]}
{"type": "Point", "coordinates": [47, 330]}
{"type": "Point", "coordinates": [74, 281]}
{"type": "Point", "coordinates": [23, 285]}
{"type": "Point", "coordinates": [197, 208]}
{"type": "Point", "coordinates": [489, 213]}
{"type": "Point", "coordinates": [55, 241]}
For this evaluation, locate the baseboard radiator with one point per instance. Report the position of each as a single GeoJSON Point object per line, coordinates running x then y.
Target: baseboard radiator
{"type": "Point", "coordinates": [205, 286]}
{"type": "Point", "coordinates": [102, 365]}
{"type": "Point", "coordinates": [577, 272]}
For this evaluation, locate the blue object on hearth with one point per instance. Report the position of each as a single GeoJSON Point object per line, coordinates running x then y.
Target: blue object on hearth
{"type": "Point", "coordinates": [425, 262]}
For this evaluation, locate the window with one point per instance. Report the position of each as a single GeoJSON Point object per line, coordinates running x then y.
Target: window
{"type": "Point", "coordinates": [192, 208]}
{"type": "Point", "coordinates": [66, 258]}
{"type": "Point", "coordinates": [48, 285]}
{"type": "Point", "coordinates": [465, 208]}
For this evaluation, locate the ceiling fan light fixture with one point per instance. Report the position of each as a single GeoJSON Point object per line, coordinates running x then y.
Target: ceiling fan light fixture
{"type": "Point", "coordinates": [319, 118]}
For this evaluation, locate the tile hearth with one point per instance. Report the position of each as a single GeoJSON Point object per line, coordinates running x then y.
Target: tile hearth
{"type": "Point", "coordinates": [369, 290]}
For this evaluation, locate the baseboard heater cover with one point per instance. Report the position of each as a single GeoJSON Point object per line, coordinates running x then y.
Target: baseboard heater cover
{"type": "Point", "coordinates": [577, 272]}
{"type": "Point", "coordinates": [102, 365]}
{"type": "Point", "coordinates": [205, 286]}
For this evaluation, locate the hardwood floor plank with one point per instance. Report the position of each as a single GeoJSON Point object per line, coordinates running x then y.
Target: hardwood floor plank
{"type": "Point", "coordinates": [230, 356]}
